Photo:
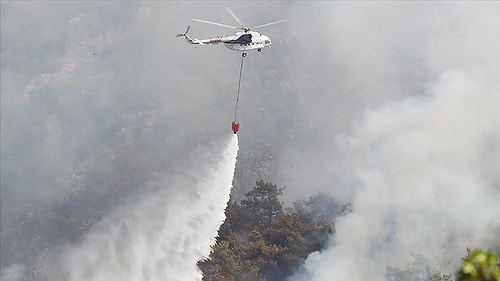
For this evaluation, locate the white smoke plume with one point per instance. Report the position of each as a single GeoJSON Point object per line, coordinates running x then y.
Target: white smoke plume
{"type": "Point", "coordinates": [161, 238]}
{"type": "Point", "coordinates": [426, 179]}
{"type": "Point", "coordinates": [423, 169]}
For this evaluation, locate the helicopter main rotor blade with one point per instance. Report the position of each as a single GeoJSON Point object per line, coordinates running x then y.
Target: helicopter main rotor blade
{"type": "Point", "coordinates": [235, 17]}
{"type": "Point", "coordinates": [215, 23]}
{"type": "Point", "coordinates": [267, 24]}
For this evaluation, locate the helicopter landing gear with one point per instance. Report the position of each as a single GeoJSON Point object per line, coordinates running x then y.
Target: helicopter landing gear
{"type": "Point", "coordinates": [259, 50]}
{"type": "Point", "coordinates": [244, 54]}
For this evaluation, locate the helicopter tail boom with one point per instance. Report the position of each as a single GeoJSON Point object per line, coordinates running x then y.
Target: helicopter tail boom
{"type": "Point", "coordinates": [188, 38]}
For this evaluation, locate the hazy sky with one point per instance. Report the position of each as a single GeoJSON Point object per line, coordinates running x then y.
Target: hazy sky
{"type": "Point", "coordinates": [390, 105]}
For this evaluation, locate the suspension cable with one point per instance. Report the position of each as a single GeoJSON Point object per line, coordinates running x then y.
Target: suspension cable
{"type": "Point", "coordinates": [239, 86]}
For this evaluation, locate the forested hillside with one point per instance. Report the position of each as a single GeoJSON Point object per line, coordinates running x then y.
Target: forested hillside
{"type": "Point", "coordinates": [261, 240]}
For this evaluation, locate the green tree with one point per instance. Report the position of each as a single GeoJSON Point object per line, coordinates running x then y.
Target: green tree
{"type": "Point", "coordinates": [263, 203]}
{"type": "Point", "coordinates": [296, 236]}
{"type": "Point", "coordinates": [227, 262]}
{"type": "Point", "coordinates": [238, 220]}
{"type": "Point", "coordinates": [479, 265]}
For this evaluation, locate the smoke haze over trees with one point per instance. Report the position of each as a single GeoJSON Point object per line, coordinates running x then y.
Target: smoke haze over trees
{"type": "Point", "coordinates": [392, 106]}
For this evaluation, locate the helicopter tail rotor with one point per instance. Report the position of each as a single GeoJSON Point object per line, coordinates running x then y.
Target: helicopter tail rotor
{"type": "Point", "coordinates": [185, 33]}
{"type": "Point", "coordinates": [189, 39]}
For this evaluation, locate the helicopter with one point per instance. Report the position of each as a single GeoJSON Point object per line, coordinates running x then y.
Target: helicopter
{"type": "Point", "coordinates": [242, 41]}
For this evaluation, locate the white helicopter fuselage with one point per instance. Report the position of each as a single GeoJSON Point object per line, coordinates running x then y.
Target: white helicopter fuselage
{"type": "Point", "coordinates": [257, 42]}
{"type": "Point", "coordinates": [242, 41]}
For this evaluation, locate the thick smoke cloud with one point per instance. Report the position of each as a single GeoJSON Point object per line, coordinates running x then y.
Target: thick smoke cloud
{"type": "Point", "coordinates": [421, 167]}
{"type": "Point", "coordinates": [423, 184]}
{"type": "Point", "coordinates": [362, 55]}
